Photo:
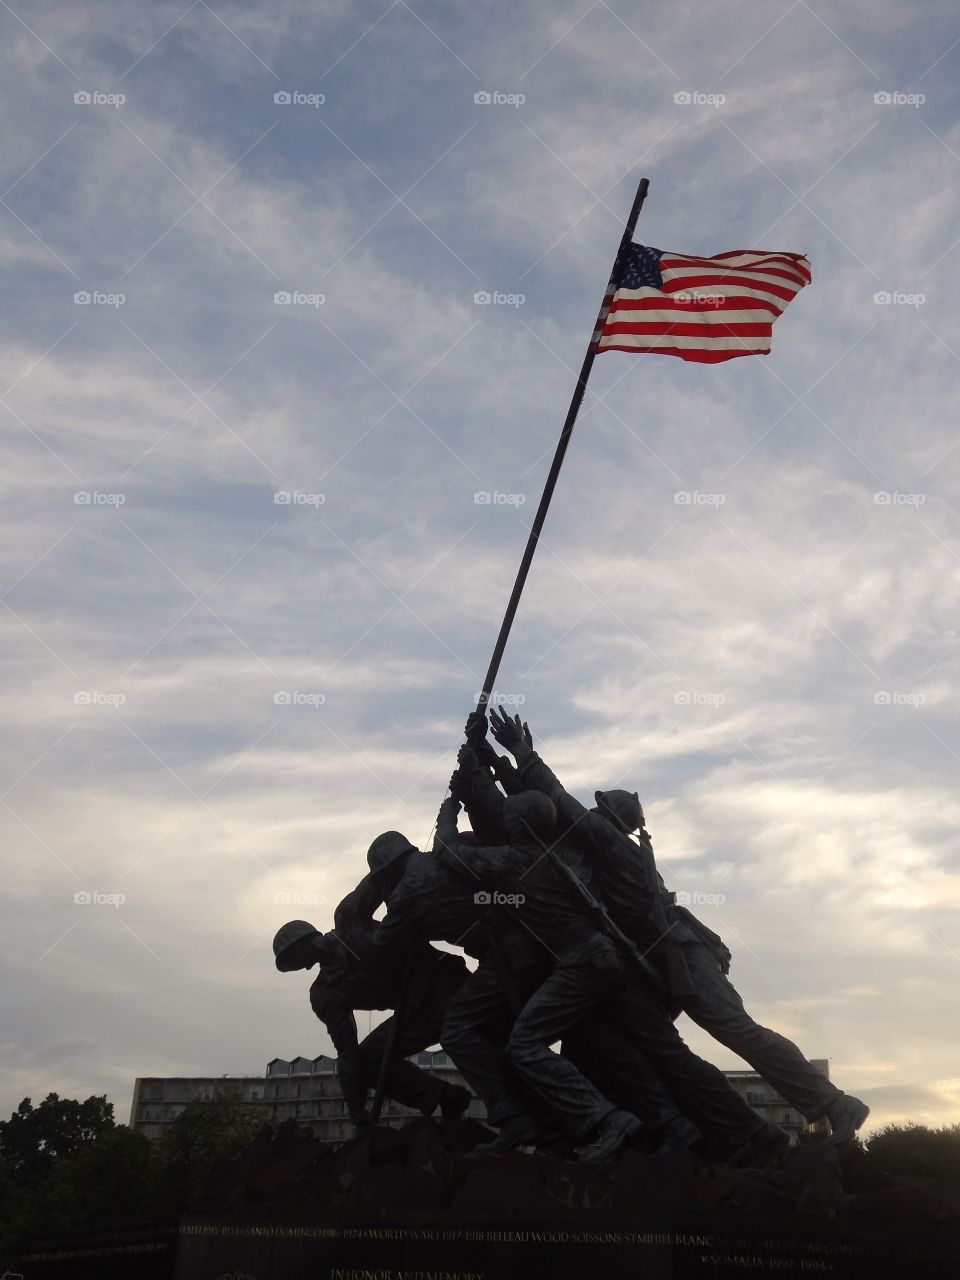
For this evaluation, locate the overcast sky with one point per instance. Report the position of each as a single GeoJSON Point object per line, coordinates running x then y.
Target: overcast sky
{"type": "Point", "coordinates": [214, 699]}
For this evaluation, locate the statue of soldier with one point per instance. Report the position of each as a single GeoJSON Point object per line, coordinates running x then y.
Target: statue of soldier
{"type": "Point", "coordinates": [587, 974]}
{"type": "Point", "coordinates": [429, 902]}
{"type": "Point", "coordinates": [712, 1001]}
{"type": "Point", "coordinates": [479, 1019]}
{"type": "Point", "coordinates": [354, 975]}
{"type": "Point", "coordinates": [512, 965]}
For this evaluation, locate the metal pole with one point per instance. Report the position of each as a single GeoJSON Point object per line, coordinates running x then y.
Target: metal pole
{"type": "Point", "coordinates": [558, 456]}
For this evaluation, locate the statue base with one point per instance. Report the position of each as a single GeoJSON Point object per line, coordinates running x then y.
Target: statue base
{"type": "Point", "coordinates": [483, 1245]}
{"type": "Point", "coordinates": [418, 1205]}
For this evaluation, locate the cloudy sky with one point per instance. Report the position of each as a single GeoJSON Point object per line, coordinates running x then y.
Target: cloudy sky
{"type": "Point", "coordinates": [214, 699]}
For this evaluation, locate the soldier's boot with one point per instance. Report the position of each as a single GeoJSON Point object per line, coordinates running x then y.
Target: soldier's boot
{"type": "Point", "coordinates": [616, 1128]}
{"type": "Point", "coordinates": [557, 1142]}
{"type": "Point", "coordinates": [519, 1130]}
{"type": "Point", "coordinates": [765, 1150]}
{"type": "Point", "coordinates": [846, 1114]}
{"type": "Point", "coordinates": [677, 1134]}
{"type": "Point", "coordinates": [454, 1102]}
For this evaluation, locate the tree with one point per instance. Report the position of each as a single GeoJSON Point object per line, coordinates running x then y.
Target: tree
{"type": "Point", "coordinates": [205, 1134]}
{"type": "Point", "coordinates": [66, 1164]}
{"type": "Point", "coordinates": [34, 1138]}
{"type": "Point", "coordinates": [917, 1151]}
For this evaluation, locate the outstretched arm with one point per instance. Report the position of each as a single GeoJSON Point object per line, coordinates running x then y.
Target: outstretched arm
{"type": "Point", "coordinates": [447, 835]}
{"type": "Point", "coordinates": [355, 911]}
{"type": "Point", "coordinates": [474, 786]}
{"type": "Point", "coordinates": [475, 732]}
{"type": "Point", "coordinates": [511, 733]}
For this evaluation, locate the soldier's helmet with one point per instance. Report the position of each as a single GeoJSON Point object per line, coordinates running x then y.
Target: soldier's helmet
{"type": "Point", "coordinates": [386, 849]}
{"type": "Point", "coordinates": [529, 811]}
{"type": "Point", "coordinates": [623, 805]}
{"type": "Point", "coordinates": [287, 936]}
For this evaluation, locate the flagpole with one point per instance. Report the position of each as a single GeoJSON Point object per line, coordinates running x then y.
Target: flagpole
{"type": "Point", "coordinates": [565, 434]}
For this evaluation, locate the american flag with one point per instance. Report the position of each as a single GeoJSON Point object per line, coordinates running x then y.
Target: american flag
{"type": "Point", "coordinates": [703, 309]}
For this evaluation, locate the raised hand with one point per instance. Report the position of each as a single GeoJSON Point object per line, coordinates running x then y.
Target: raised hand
{"type": "Point", "coordinates": [508, 730]}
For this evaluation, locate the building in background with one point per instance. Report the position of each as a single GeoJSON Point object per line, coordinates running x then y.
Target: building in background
{"type": "Point", "coordinates": [767, 1103]}
{"type": "Point", "coordinates": [307, 1090]}
{"type": "Point", "coordinates": [303, 1089]}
